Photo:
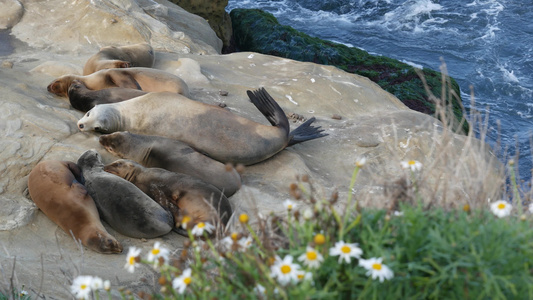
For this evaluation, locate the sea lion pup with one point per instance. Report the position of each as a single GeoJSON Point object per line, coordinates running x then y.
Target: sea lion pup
{"type": "Point", "coordinates": [121, 204]}
{"type": "Point", "coordinates": [173, 155]}
{"type": "Point", "coordinates": [194, 198]}
{"type": "Point", "coordinates": [218, 133]}
{"type": "Point", "coordinates": [56, 188]}
{"type": "Point", "coordinates": [146, 79]}
{"type": "Point", "coordinates": [83, 99]}
{"type": "Point", "coordinates": [138, 55]}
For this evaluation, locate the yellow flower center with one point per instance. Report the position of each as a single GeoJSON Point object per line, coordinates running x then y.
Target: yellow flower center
{"type": "Point", "coordinates": [186, 220]}
{"type": "Point", "coordinates": [201, 225]}
{"type": "Point", "coordinates": [243, 218]}
{"type": "Point", "coordinates": [346, 249]}
{"type": "Point", "coordinates": [300, 276]}
{"type": "Point", "coordinates": [289, 206]}
{"type": "Point", "coordinates": [285, 269]}
{"type": "Point", "coordinates": [311, 255]}
{"type": "Point", "coordinates": [320, 239]}
{"type": "Point", "coordinates": [187, 280]}
{"type": "Point", "coordinates": [83, 286]}
{"type": "Point", "coordinates": [132, 260]}
{"type": "Point", "coordinates": [155, 251]}
{"type": "Point", "coordinates": [376, 267]}
{"type": "Point", "coordinates": [234, 236]}
{"type": "Point", "coordinates": [411, 162]}
{"type": "Point", "coordinates": [501, 206]}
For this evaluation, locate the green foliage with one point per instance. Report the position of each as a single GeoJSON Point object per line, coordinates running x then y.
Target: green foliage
{"type": "Point", "coordinates": [259, 31]}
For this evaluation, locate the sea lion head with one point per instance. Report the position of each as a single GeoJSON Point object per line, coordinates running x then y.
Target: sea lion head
{"type": "Point", "coordinates": [90, 159]}
{"type": "Point", "coordinates": [123, 168]}
{"type": "Point", "coordinates": [116, 143]}
{"type": "Point", "coordinates": [60, 86]}
{"type": "Point", "coordinates": [101, 118]}
{"type": "Point", "coordinates": [75, 87]}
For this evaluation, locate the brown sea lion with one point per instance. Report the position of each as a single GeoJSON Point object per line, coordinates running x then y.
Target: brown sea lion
{"type": "Point", "coordinates": [121, 204]}
{"type": "Point", "coordinates": [110, 57]}
{"type": "Point", "coordinates": [146, 79]}
{"type": "Point", "coordinates": [194, 198]}
{"type": "Point", "coordinates": [83, 99]}
{"type": "Point", "coordinates": [218, 133]}
{"type": "Point", "coordinates": [173, 155]}
{"type": "Point", "coordinates": [56, 188]}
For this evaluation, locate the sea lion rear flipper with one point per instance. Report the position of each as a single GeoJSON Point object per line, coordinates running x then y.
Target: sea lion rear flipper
{"type": "Point", "coordinates": [305, 132]}
{"type": "Point", "coordinates": [269, 108]}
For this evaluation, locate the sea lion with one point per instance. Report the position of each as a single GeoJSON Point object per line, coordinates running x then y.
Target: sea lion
{"type": "Point", "coordinates": [121, 204]}
{"type": "Point", "coordinates": [173, 155]}
{"type": "Point", "coordinates": [218, 133]}
{"type": "Point", "coordinates": [194, 198]}
{"type": "Point", "coordinates": [56, 188]}
{"type": "Point", "coordinates": [83, 99]}
{"type": "Point", "coordinates": [110, 57]}
{"type": "Point", "coordinates": [146, 79]}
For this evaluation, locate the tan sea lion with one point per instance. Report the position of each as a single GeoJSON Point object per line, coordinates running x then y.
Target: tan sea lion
{"type": "Point", "coordinates": [56, 188]}
{"type": "Point", "coordinates": [173, 155]}
{"type": "Point", "coordinates": [110, 57]}
{"type": "Point", "coordinates": [121, 204]}
{"type": "Point", "coordinates": [146, 79]}
{"type": "Point", "coordinates": [218, 133]}
{"type": "Point", "coordinates": [194, 198]}
{"type": "Point", "coordinates": [83, 99]}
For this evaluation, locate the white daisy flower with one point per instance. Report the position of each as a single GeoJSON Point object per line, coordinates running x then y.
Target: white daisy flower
{"type": "Point", "coordinates": [284, 270]}
{"type": "Point", "coordinates": [184, 221]}
{"type": "Point", "coordinates": [23, 293]}
{"type": "Point", "coordinates": [531, 208]}
{"type": "Point", "coordinates": [305, 276]}
{"type": "Point", "coordinates": [289, 204]}
{"type": "Point", "coordinates": [181, 282]}
{"type": "Point", "coordinates": [107, 285]}
{"type": "Point", "coordinates": [397, 213]}
{"type": "Point", "coordinates": [156, 253]}
{"type": "Point", "coordinates": [360, 162]}
{"type": "Point", "coordinates": [308, 214]}
{"type": "Point", "coordinates": [245, 243]}
{"type": "Point", "coordinates": [81, 287]}
{"type": "Point", "coordinates": [260, 290]}
{"type": "Point", "coordinates": [501, 208]}
{"type": "Point", "coordinates": [311, 258]}
{"type": "Point", "coordinates": [199, 228]}
{"type": "Point", "coordinates": [97, 283]}
{"type": "Point", "coordinates": [227, 242]}
{"type": "Point", "coordinates": [413, 165]}
{"type": "Point", "coordinates": [345, 251]}
{"type": "Point", "coordinates": [376, 269]}
{"type": "Point", "coordinates": [131, 261]}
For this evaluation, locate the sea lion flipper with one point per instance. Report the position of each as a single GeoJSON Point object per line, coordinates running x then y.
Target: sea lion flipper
{"type": "Point", "coordinates": [269, 108]}
{"type": "Point", "coordinates": [125, 80]}
{"type": "Point", "coordinates": [305, 132]}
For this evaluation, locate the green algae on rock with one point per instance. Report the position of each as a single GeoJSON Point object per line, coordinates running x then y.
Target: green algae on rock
{"type": "Point", "coordinates": [259, 31]}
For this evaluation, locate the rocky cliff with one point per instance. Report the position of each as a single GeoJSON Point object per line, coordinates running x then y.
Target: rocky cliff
{"type": "Point", "coordinates": [54, 37]}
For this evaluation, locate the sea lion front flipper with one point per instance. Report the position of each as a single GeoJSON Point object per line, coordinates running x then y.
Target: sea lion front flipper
{"type": "Point", "coordinates": [124, 80]}
{"type": "Point", "coordinates": [269, 108]}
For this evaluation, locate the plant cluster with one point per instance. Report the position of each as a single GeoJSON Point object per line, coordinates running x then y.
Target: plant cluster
{"type": "Point", "coordinates": [323, 249]}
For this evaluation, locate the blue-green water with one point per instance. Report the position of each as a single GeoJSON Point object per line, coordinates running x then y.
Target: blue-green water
{"type": "Point", "coordinates": [487, 44]}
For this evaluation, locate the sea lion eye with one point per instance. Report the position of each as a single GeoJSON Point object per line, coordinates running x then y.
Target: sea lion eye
{"type": "Point", "coordinates": [96, 128]}
{"type": "Point", "coordinates": [88, 113]}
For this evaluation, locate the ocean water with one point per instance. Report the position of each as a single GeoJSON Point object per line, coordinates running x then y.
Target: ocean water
{"type": "Point", "coordinates": [486, 44]}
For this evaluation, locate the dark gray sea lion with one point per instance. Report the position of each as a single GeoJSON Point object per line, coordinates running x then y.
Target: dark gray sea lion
{"type": "Point", "coordinates": [83, 99]}
{"type": "Point", "coordinates": [110, 57]}
{"type": "Point", "coordinates": [173, 155]}
{"type": "Point", "coordinates": [146, 79]}
{"type": "Point", "coordinates": [220, 134]}
{"type": "Point", "coordinates": [194, 198]}
{"type": "Point", "coordinates": [56, 188]}
{"type": "Point", "coordinates": [121, 204]}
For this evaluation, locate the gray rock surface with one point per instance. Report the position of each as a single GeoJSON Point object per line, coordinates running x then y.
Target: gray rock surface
{"type": "Point", "coordinates": [36, 125]}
